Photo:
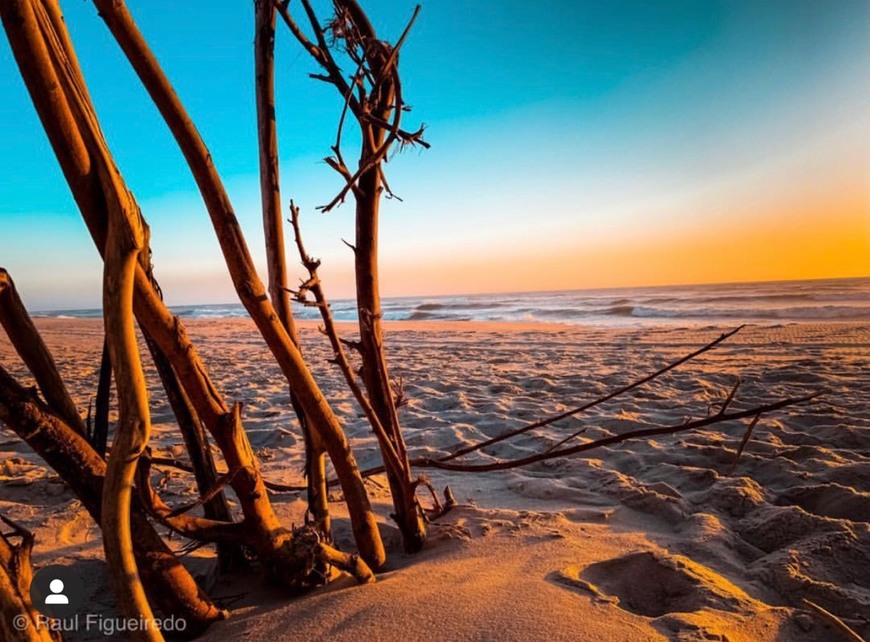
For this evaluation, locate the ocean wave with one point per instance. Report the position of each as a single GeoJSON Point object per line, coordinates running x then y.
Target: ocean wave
{"type": "Point", "coordinates": [825, 312]}
{"type": "Point", "coordinates": [428, 316]}
{"type": "Point", "coordinates": [843, 300]}
{"type": "Point", "coordinates": [622, 310]}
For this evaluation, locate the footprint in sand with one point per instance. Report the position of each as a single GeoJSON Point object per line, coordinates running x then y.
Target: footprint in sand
{"type": "Point", "coordinates": [655, 583]}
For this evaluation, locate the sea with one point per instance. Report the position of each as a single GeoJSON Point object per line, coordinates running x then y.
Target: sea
{"type": "Point", "coordinates": [761, 303]}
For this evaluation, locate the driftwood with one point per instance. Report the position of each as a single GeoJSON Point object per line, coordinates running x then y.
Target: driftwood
{"type": "Point", "coordinates": [98, 435]}
{"type": "Point", "coordinates": [447, 462]}
{"type": "Point", "coordinates": [615, 439]}
{"type": "Point", "coordinates": [19, 621]}
{"type": "Point", "coordinates": [46, 59]}
{"type": "Point", "coordinates": [198, 449]}
{"type": "Point", "coordinates": [392, 460]}
{"type": "Point", "coordinates": [374, 98]}
{"type": "Point", "coordinates": [168, 584]}
{"type": "Point", "coordinates": [124, 245]}
{"type": "Point", "coordinates": [312, 559]}
{"type": "Point", "coordinates": [846, 632]}
{"type": "Point", "coordinates": [248, 286]}
{"type": "Point", "coordinates": [464, 450]}
{"type": "Point", "coordinates": [67, 133]}
{"type": "Point", "coordinates": [270, 191]}
{"type": "Point", "coordinates": [746, 436]}
{"type": "Point", "coordinates": [33, 351]}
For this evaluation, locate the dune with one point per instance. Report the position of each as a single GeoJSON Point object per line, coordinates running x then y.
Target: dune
{"type": "Point", "coordinates": [652, 539]}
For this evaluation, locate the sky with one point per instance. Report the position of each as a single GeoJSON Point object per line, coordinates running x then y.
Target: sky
{"type": "Point", "coordinates": [575, 144]}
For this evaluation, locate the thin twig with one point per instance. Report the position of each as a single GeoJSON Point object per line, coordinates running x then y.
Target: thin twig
{"type": "Point", "coordinates": [743, 442]}
{"type": "Point", "coordinates": [423, 480]}
{"type": "Point", "coordinates": [401, 41]}
{"type": "Point", "coordinates": [380, 152]}
{"type": "Point", "coordinates": [220, 483]}
{"type": "Point", "coordinates": [730, 397]}
{"type": "Point", "coordinates": [608, 441]}
{"type": "Point", "coordinates": [320, 52]}
{"type": "Point", "coordinates": [389, 453]}
{"type": "Point", "coordinates": [426, 462]}
{"type": "Point", "coordinates": [575, 411]}
{"type": "Point", "coordinates": [844, 629]}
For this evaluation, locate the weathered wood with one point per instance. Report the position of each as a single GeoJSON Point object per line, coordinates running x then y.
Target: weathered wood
{"type": "Point", "coordinates": [382, 103]}
{"type": "Point", "coordinates": [202, 529]}
{"type": "Point", "coordinates": [248, 286]}
{"type": "Point", "coordinates": [167, 582]}
{"type": "Point", "coordinates": [68, 120]}
{"type": "Point", "coordinates": [314, 285]}
{"type": "Point", "coordinates": [19, 621]}
{"type": "Point", "coordinates": [230, 556]}
{"type": "Point", "coordinates": [374, 99]}
{"type": "Point", "coordinates": [125, 241]}
{"type": "Point", "coordinates": [565, 451]}
{"type": "Point", "coordinates": [31, 348]}
{"type": "Point", "coordinates": [270, 194]}
{"type": "Point", "coordinates": [375, 372]}
{"type": "Point", "coordinates": [352, 564]}
{"type": "Point", "coordinates": [464, 450]}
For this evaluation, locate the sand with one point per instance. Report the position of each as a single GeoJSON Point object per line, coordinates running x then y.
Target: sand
{"type": "Point", "coordinates": [653, 539]}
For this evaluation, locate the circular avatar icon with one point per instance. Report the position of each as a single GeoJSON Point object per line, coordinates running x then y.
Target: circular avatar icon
{"type": "Point", "coordinates": [57, 591]}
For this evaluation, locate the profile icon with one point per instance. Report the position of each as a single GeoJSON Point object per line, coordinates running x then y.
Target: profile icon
{"type": "Point", "coordinates": [56, 596]}
{"type": "Point", "coordinates": [57, 591]}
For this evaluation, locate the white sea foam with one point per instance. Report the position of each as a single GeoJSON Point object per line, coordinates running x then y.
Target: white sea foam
{"type": "Point", "coordinates": [776, 302]}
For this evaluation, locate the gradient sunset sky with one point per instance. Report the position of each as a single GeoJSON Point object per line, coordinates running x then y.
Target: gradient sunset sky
{"type": "Point", "coordinates": [574, 145]}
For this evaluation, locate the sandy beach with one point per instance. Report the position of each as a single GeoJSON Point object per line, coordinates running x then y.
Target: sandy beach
{"type": "Point", "coordinates": [651, 539]}
{"type": "Point", "coordinates": [593, 281]}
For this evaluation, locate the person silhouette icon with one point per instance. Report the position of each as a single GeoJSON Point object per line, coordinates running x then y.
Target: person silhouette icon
{"type": "Point", "coordinates": [57, 596]}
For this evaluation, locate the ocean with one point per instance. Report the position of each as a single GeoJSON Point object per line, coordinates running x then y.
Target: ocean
{"type": "Point", "coordinates": [762, 303]}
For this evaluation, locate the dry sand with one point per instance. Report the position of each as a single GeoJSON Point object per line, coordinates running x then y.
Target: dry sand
{"type": "Point", "coordinates": [651, 540]}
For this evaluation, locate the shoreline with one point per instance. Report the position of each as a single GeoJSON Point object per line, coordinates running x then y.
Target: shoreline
{"type": "Point", "coordinates": [517, 558]}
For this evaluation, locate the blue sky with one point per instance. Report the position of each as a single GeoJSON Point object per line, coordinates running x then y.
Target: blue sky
{"type": "Point", "coordinates": [577, 144]}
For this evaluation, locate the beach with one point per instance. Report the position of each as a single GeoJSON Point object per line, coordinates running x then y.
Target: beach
{"type": "Point", "coordinates": [644, 540]}
{"type": "Point", "coordinates": [373, 321]}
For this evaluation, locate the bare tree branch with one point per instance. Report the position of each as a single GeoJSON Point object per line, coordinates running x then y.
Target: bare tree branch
{"type": "Point", "coordinates": [575, 411]}
{"type": "Point", "coordinates": [199, 528]}
{"type": "Point", "coordinates": [388, 451]}
{"type": "Point", "coordinates": [615, 439]}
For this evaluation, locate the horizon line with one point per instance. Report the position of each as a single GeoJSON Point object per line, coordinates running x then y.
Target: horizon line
{"type": "Point", "coordinates": [509, 292]}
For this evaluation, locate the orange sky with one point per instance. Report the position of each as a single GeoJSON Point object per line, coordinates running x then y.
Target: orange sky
{"type": "Point", "coordinates": [820, 238]}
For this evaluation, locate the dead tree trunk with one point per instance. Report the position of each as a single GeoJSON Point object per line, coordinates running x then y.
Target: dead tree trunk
{"type": "Point", "coordinates": [168, 584]}
{"type": "Point", "coordinates": [270, 192]}
{"type": "Point", "coordinates": [375, 373]}
{"type": "Point", "coordinates": [373, 97]}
